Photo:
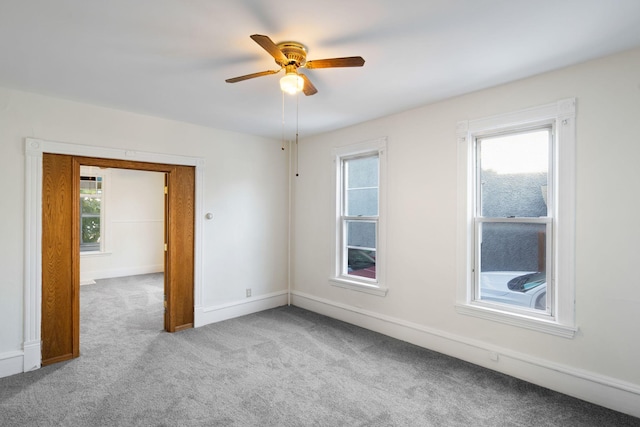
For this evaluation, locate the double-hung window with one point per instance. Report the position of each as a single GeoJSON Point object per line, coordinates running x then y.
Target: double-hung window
{"type": "Point", "coordinates": [359, 229]}
{"type": "Point", "coordinates": [359, 217]}
{"type": "Point", "coordinates": [92, 212]}
{"type": "Point", "coordinates": [516, 193]}
{"type": "Point", "coordinates": [512, 219]}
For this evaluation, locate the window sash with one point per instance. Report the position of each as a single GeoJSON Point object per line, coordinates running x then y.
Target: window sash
{"type": "Point", "coordinates": [344, 264]}
{"type": "Point", "coordinates": [345, 190]}
{"type": "Point", "coordinates": [477, 162]}
{"type": "Point", "coordinates": [549, 266]}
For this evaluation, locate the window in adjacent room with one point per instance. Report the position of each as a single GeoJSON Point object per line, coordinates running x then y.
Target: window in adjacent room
{"type": "Point", "coordinates": [91, 211]}
{"type": "Point", "coordinates": [359, 180]}
{"type": "Point", "coordinates": [516, 239]}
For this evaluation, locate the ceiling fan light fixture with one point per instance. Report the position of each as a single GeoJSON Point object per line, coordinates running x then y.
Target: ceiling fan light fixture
{"type": "Point", "coordinates": [291, 56]}
{"type": "Point", "coordinates": [291, 83]}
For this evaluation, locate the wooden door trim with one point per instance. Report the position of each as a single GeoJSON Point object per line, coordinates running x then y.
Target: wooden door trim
{"type": "Point", "coordinates": [34, 150]}
{"type": "Point", "coordinates": [75, 255]}
{"type": "Point", "coordinates": [180, 232]}
{"type": "Point", "coordinates": [58, 297]}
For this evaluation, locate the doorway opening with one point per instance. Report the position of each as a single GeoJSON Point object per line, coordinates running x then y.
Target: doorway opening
{"type": "Point", "coordinates": [121, 253]}
{"type": "Point", "coordinates": [60, 320]}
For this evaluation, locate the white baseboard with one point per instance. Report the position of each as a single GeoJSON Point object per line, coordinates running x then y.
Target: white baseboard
{"type": "Point", "coordinates": [16, 362]}
{"type": "Point", "coordinates": [11, 363]}
{"type": "Point", "coordinates": [599, 389]}
{"type": "Point", "coordinates": [88, 276]}
{"type": "Point", "coordinates": [32, 356]}
{"type": "Point", "coordinates": [206, 315]}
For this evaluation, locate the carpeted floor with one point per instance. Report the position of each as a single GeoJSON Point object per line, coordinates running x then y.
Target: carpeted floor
{"type": "Point", "coordinates": [281, 367]}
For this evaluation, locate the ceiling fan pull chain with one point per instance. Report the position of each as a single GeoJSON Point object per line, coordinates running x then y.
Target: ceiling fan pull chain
{"type": "Point", "coordinates": [282, 122]}
{"type": "Point", "coordinates": [297, 157]}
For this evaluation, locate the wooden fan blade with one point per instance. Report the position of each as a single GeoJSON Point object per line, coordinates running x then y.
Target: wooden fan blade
{"type": "Point", "coordinates": [251, 76]}
{"type": "Point", "coordinates": [268, 45]}
{"type": "Point", "coordinates": [308, 88]}
{"type": "Point", "coordinates": [350, 61]}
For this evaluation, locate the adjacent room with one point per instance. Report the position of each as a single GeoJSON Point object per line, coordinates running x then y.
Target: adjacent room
{"type": "Point", "coordinates": [336, 213]}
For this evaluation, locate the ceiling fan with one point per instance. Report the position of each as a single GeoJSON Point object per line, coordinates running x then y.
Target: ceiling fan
{"type": "Point", "coordinates": [291, 56]}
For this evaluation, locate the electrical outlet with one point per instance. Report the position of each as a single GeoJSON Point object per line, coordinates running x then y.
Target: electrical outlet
{"type": "Point", "coordinates": [248, 292]}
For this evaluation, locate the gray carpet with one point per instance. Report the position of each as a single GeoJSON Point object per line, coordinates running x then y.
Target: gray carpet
{"type": "Point", "coordinates": [281, 367]}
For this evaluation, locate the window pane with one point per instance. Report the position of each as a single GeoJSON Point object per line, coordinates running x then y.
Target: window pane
{"type": "Point", "coordinates": [362, 172]}
{"type": "Point", "coordinates": [513, 265]}
{"type": "Point", "coordinates": [90, 205]}
{"type": "Point", "coordinates": [361, 234]}
{"type": "Point", "coordinates": [514, 172]}
{"type": "Point", "coordinates": [90, 185]}
{"type": "Point", "coordinates": [361, 263]}
{"type": "Point", "coordinates": [361, 186]}
{"type": "Point", "coordinates": [90, 230]}
{"type": "Point", "coordinates": [362, 201]}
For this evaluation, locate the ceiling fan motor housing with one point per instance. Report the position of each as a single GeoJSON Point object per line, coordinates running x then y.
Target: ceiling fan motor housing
{"type": "Point", "coordinates": [295, 52]}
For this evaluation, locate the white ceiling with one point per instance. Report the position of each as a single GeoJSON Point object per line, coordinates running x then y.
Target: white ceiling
{"type": "Point", "coordinates": [169, 58]}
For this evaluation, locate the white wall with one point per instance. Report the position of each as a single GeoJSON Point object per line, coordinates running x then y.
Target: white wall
{"type": "Point", "coordinates": [133, 230]}
{"type": "Point", "coordinates": [601, 362]}
{"type": "Point", "coordinates": [245, 184]}
{"type": "Point", "coordinates": [245, 246]}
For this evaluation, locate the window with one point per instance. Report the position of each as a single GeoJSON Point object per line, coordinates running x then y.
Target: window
{"type": "Point", "coordinates": [359, 226]}
{"type": "Point", "coordinates": [512, 219]}
{"type": "Point", "coordinates": [359, 216]}
{"type": "Point", "coordinates": [516, 237]}
{"type": "Point", "coordinates": [92, 212]}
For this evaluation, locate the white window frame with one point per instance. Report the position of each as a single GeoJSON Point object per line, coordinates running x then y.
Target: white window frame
{"type": "Point", "coordinates": [338, 277]}
{"type": "Point", "coordinates": [560, 317]}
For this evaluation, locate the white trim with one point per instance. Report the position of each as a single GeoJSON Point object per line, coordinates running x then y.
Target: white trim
{"type": "Point", "coordinates": [11, 363]}
{"type": "Point", "coordinates": [34, 149]}
{"type": "Point", "coordinates": [516, 319]}
{"type": "Point", "coordinates": [198, 259]}
{"type": "Point", "coordinates": [379, 144]}
{"type": "Point", "coordinates": [39, 146]}
{"type": "Point", "coordinates": [120, 272]}
{"type": "Point", "coordinates": [32, 257]}
{"type": "Point", "coordinates": [359, 286]}
{"type": "Point", "coordinates": [206, 315]}
{"type": "Point", "coordinates": [562, 115]}
{"type": "Point", "coordinates": [602, 390]}
{"type": "Point", "coordinates": [95, 254]}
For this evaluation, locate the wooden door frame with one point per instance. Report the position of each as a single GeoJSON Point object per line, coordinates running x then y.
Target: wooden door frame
{"type": "Point", "coordinates": [34, 150]}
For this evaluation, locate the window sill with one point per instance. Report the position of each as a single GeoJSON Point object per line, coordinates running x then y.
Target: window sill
{"type": "Point", "coordinates": [358, 286]}
{"type": "Point", "coordinates": [519, 320]}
